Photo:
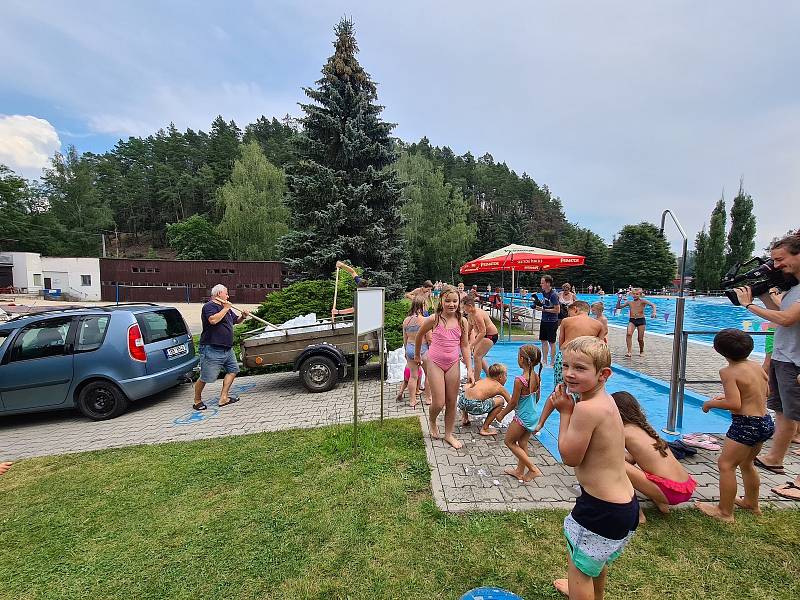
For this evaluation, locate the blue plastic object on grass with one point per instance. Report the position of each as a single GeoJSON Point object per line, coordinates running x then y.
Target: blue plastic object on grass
{"type": "Point", "coordinates": [490, 593]}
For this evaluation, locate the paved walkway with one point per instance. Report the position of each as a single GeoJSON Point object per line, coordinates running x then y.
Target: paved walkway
{"type": "Point", "coordinates": [268, 403]}
{"type": "Point", "coordinates": [468, 479]}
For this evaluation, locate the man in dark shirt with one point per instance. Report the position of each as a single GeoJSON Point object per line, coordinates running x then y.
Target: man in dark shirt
{"type": "Point", "coordinates": [216, 346]}
{"type": "Point", "coordinates": [549, 324]}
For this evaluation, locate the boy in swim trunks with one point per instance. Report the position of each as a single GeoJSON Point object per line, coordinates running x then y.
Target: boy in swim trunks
{"type": "Point", "coordinates": [746, 387]}
{"type": "Point", "coordinates": [591, 439]}
{"type": "Point", "coordinates": [485, 397]}
{"type": "Point", "coordinates": [597, 311]}
{"type": "Point", "coordinates": [636, 320]}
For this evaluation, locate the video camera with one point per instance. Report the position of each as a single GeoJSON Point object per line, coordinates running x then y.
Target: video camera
{"type": "Point", "coordinates": [760, 278]}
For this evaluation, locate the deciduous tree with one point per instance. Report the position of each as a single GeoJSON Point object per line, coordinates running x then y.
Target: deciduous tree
{"type": "Point", "coordinates": [254, 214]}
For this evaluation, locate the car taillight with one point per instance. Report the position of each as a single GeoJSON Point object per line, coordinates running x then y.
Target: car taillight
{"type": "Point", "coordinates": [136, 344]}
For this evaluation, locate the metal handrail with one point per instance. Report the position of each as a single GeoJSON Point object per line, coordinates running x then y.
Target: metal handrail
{"type": "Point", "coordinates": [675, 412]}
{"type": "Point", "coordinates": [683, 341]}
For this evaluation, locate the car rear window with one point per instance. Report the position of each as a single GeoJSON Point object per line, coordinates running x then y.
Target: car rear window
{"type": "Point", "coordinates": [161, 325]}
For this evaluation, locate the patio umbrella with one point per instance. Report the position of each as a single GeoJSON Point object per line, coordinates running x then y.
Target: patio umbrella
{"type": "Point", "coordinates": [515, 257]}
{"type": "Point", "coordinates": [521, 258]}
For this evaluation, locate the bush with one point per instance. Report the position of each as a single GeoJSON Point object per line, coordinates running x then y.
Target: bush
{"type": "Point", "coordinates": [305, 297]}
{"type": "Point", "coordinates": [394, 314]}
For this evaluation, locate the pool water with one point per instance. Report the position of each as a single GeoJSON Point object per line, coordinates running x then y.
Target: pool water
{"type": "Point", "coordinates": [652, 394]}
{"type": "Point", "coordinates": [700, 314]}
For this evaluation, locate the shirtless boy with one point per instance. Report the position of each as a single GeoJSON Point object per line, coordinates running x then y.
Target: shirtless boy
{"type": "Point", "coordinates": [426, 291]}
{"type": "Point", "coordinates": [597, 311]}
{"type": "Point", "coordinates": [485, 397]}
{"type": "Point", "coordinates": [745, 387]}
{"type": "Point", "coordinates": [482, 335]}
{"type": "Point", "coordinates": [591, 439]}
{"type": "Point", "coordinates": [637, 320]}
{"type": "Point", "coordinates": [577, 324]}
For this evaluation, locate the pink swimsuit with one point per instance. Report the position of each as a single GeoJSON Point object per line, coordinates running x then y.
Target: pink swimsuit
{"type": "Point", "coordinates": [445, 346]}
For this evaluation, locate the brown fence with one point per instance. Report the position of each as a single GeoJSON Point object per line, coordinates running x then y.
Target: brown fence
{"type": "Point", "coordinates": [143, 280]}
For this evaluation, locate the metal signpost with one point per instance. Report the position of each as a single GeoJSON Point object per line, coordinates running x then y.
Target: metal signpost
{"type": "Point", "coordinates": [368, 313]}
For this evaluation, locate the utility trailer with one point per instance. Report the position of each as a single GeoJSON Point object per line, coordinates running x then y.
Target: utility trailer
{"type": "Point", "coordinates": [320, 351]}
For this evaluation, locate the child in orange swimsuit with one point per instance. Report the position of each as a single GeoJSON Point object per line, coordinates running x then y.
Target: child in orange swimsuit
{"type": "Point", "coordinates": [652, 468]}
{"type": "Point", "coordinates": [449, 340]}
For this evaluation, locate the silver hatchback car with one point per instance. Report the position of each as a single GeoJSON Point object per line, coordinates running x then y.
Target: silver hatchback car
{"type": "Point", "coordinates": [97, 359]}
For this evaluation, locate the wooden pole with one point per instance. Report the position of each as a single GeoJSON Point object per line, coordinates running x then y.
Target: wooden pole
{"type": "Point", "coordinates": [335, 295]}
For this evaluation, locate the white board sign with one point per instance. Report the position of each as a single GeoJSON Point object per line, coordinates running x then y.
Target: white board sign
{"type": "Point", "coordinates": [369, 309]}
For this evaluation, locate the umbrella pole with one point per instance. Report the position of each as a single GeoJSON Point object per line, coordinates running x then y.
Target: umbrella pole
{"type": "Point", "coordinates": [511, 305]}
{"type": "Point", "coordinates": [502, 299]}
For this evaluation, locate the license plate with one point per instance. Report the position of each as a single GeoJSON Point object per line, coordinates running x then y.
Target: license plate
{"type": "Point", "coordinates": [177, 350]}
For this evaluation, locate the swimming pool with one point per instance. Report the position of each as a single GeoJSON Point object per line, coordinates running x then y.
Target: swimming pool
{"type": "Point", "coordinates": [700, 314]}
{"type": "Point", "coordinates": [651, 393]}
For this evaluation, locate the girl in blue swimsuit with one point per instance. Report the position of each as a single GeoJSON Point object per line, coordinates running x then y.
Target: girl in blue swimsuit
{"type": "Point", "coordinates": [411, 326]}
{"type": "Point", "coordinates": [526, 387]}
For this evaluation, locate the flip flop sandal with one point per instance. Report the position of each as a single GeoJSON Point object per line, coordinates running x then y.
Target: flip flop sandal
{"type": "Point", "coordinates": [231, 400]}
{"type": "Point", "coordinates": [789, 485]}
{"type": "Point", "coordinates": [200, 406]}
{"type": "Point", "coordinates": [777, 469]}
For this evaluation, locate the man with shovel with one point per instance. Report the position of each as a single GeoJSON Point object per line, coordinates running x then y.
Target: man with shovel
{"type": "Point", "coordinates": [216, 346]}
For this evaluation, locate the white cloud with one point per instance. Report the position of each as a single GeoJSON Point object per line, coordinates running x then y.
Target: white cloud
{"type": "Point", "coordinates": [27, 143]}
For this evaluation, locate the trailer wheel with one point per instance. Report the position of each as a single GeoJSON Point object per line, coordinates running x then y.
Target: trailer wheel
{"type": "Point", "coordinates": [319, 374]}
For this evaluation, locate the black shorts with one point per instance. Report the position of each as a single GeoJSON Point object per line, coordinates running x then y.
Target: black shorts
{"type": "Point", "coordinates": [638, 321]}
{"type": "Point", "coordinates": [492, 337]}
{"type": "Point", "coordinates": [548, 331]}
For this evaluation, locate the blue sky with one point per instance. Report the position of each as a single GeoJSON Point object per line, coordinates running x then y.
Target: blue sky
{"type": "Point", "coordinates": [622, 108]}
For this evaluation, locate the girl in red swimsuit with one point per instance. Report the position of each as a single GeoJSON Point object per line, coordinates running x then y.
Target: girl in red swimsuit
{"type": "Point", "coordinates": [449, 340]}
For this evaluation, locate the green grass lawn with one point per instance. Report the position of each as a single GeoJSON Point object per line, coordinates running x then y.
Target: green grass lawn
{"type": "Point", "coordinates": [293, 515]}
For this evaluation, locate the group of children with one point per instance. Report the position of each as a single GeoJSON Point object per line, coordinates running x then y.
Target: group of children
{"type": "Point", "coordinates": [605, 437]}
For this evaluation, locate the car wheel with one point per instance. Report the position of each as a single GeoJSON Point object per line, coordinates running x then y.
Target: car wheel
{"type": "Point", "coordinates": [319, 374]}
{"type": "Point", "coordinates": [100, 400]}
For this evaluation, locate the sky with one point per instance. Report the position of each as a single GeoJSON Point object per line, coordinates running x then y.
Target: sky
{"type": "Point", "coordinates": [622, 108]}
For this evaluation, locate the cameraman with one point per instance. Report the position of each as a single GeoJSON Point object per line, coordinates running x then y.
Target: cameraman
{"type": "Point", "coordinates": [784, 369]}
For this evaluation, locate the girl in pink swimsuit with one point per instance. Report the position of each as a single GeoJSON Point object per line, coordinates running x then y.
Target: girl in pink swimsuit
{"type": "Point", "coordinates": [449, 340]}
{"type": "Point", "coordinates": [651, 466]}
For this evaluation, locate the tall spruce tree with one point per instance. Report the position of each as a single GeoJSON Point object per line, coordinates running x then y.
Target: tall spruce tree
{"type": "Point", "coordinates": [344, 203]}
{"type": "Point", "coordinates": [742, 235]}
{"type": "Point", "coordinates": [715, 250]}
{"type": "Point", "coordinates": [702, 281]}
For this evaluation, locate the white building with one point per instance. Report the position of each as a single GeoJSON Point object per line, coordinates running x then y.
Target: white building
{"type": "Point", "coordinates": [77, 278]}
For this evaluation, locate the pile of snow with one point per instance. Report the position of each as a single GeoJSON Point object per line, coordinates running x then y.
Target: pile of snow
{"type": "Point", "coordinates": [396, 364]}
{"type": "Point", "coordinates": [302, 324]}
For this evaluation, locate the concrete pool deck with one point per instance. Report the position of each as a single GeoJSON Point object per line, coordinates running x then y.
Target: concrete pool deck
{"type": "Point", "coordinates": [470, 479]}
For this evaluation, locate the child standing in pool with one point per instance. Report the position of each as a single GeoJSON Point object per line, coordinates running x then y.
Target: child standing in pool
{"type": "Point", "coordinates": [636, 321]}
{"type": "Point", "coordinates": [652, 468]}
{"type": "Point", "coordinates": [449, 331]}
{"type": "Point", "coordinates": [591, 438]}
{"type": "Point", "coordinates": [526, 386]}
{"type": "Point", "coordinates": [411, 326]}
{"type": "Point", "coordinates": [745, 387]}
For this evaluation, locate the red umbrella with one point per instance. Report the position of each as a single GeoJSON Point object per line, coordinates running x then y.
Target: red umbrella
{"type": "Point", "coordinates": [521, 258]}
